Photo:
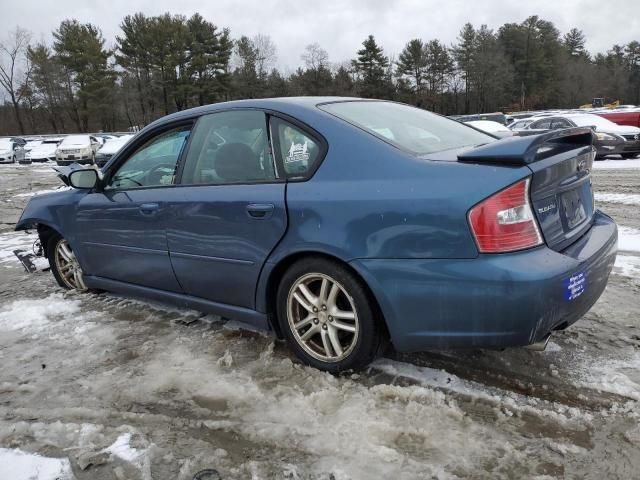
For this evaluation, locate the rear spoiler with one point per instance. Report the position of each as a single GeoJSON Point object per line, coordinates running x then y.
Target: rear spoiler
{"type": "Point", "coordinates": [529, 149]}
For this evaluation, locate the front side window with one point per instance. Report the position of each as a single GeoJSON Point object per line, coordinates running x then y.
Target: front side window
{"type": "Point", "coordinates": [541, 125]}
{"type": "Point", "coordinates": [229, 147]}
{"type": "Point", "coordinates": [154, 163]}
{"type": "Point", "coordinates": [409, 128]}
{"type": "Point", "coordinates": [297, 150]}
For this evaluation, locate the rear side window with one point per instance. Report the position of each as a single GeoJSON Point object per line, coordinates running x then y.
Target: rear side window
{"type": "Point", "coordinates": [298, 151]}
{"type": "Point", "coordinates": [541, 124]}
{"type": "Point", "coordinates": [409, 128]}
{"type": "Point", "coordinates": [229, 147]}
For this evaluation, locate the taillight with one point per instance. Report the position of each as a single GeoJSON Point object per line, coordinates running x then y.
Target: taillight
{"type": "Point", "coordinates": [505, 222]}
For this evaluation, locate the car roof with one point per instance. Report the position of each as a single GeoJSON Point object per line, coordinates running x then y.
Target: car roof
{"type": "Point", "coordinates": [283, 104]}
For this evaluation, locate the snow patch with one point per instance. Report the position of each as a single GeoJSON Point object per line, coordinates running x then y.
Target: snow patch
{"type": "Point", "coordinates": [628, 239]}
{"type": "Point", "coordinates": [122, 448]}
{"type": "Point", "coordinates": [19, 465]}
{"type": "Point", "coordinates": [36, 314]}
{"type": "Point", "coordinates": [616, 164]}
{"type": "Point", "coordinates": [615, 376]}
{"type": "Point", "coordinates": [628, 266]}
{"type": "Point", "coordinates": [623, 198]}
{"type": "Point", "coordinates": [42, 192]}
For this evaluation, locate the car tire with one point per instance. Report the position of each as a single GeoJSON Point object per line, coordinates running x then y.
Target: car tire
{"type": "Point", "coordinates": [327, 316]}
{"type": "Point", "coordinates": [64, 265]}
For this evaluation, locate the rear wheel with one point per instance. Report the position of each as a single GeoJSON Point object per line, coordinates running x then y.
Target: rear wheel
{"type": "Point", "coordinates": [327, 317]}
{"type": "Point", "coordinates": [64, 264]}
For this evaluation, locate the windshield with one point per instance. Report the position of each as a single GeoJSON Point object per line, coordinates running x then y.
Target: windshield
{"type": "Point", "coordinates": [5, 143]}
{"type": "Point", "coordinates": [409, 128]}
{"type": "Point", "coordinates": [592, 120]}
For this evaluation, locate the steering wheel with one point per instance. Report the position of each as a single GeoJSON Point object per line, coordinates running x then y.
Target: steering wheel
{"type": "Point", "coordinates": [154, 177]}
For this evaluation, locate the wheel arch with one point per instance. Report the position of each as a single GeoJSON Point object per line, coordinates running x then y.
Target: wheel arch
{"type": "Point", "coordinates": [278, 269]}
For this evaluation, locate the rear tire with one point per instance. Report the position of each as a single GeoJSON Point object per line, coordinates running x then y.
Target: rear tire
{"type": "Point", "coordinates": [64, 264]}
{"type": "Point", "coordinates": [327, 316]}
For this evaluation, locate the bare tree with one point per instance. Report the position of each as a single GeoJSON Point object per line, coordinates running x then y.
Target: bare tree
{"type": "Point", "coordinates": [315, 57]}
{"type": "Point", "coordinates": [15, 69]}
{"type": "Point", "coordinates": [265, 52]}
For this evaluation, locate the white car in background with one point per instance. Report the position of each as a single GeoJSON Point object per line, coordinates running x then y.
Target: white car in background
{"type": "Point", "coordinates": [77, 149]}
{"type": "Point", "coordinates": [493, 128]}
{"type": "Point", "coordinates": [110, 148]}
{"type": "Point", "coordinates": [10, 150]}
{"type": "Point", "coordinates": [45, 151]}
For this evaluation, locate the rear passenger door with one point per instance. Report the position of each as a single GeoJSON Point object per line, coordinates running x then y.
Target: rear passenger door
{"type": "Point", "coordinates": [228, 211]}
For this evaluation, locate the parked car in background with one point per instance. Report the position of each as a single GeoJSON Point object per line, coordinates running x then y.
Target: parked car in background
{"type": "Point", "coordinates": [521, 124]}
{"type": "Point", "coordinates": [610, 138]}
{"type": "Point", "coordinates": [77, 149]}
{"type": "Point", "coordinates": [45, 151]}
{"type": "Point", "coordinates": [11, 150]}
{"type": "Point", "coordinates": [340, 223]}
{"type": "Point", "coordinates": [110, 148]}
{"type": "Point", "coordinates": [498, 117]}
{"type": "Point", "coordinates": [494, 128]}
{"type": "Point", "coordinates": [629, 117]}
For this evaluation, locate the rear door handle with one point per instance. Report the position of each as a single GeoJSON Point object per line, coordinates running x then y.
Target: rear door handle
{"type": "Point", "coordinates": [260, 210]}
{"type": "Point", "coordinates": [149, 208]}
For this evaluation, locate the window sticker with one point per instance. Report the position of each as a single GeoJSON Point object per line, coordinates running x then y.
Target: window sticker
{"type": "Point", "coordinates": [297, 153]}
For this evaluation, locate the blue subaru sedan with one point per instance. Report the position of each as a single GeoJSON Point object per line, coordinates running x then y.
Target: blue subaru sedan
{"type": "Point", "coordinates": [340, 224]}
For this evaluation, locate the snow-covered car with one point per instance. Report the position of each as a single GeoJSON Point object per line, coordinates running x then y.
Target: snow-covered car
{"type": "Point", "coordinates": [609, 138]}
{"type": "Point", "coordinates": [110, 148]}
{"type": "Point", "coordinates": [77, 149]}
{"type": "Point", "coordinates": [493, 128]}
{"type": "Point", "coordinates": [45, 151]}
{"type": "Point", "coordinates": [11, 150]}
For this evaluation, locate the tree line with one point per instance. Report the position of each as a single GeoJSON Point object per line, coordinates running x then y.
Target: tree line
{"type": "Point", "coordinates": [166, 63]}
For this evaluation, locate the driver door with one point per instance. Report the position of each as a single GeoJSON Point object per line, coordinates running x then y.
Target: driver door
{"type": "Point", "coordinates": [122, 230]}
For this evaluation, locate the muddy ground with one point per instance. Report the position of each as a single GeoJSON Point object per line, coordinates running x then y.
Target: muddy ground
{"type": "Point", "coordinates": [147, 391]}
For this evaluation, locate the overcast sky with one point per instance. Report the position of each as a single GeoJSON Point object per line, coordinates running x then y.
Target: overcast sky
{"type": "Point", "coordinates": [340, 26]}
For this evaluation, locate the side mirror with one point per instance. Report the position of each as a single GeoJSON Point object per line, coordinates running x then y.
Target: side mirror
{"type": "Point", "coordinates": [83, 179]}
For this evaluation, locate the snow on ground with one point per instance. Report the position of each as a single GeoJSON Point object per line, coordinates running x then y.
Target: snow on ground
{"type": "Point", "coordinates": [36, 315]}
{"type": "Point", "coordinates": [122, 448]}
{"type": "Point", "coordinates": [42, 192]}
{"type": "Point", "coordinates": [619, 376]}
{"type": "Point", "coordinates": [616, 164]}
{"type": "Point", "coordinates": [623, 198]}
{"type": "Point", "coordinates": [628, 265]}
{"type": "Point", "coordinates": [628, 239]}
{"type": "Point", "coordinates": [19, 465]}
{"type": "Point", "coordinates": [11, 241]}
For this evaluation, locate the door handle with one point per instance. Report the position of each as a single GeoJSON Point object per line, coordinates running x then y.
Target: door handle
{"type": "Point", "coordinates": [149, 208]}
{"type": "Point", "coordinates": [260, 210]}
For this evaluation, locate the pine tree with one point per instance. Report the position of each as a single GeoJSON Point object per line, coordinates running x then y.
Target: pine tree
{"type": "Point", "coordinates": [370, 67]}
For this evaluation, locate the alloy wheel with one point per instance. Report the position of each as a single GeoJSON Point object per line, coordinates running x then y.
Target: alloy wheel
{"type": "Point", "coordinates": [322, 317]}
{"type": "Point", "coordinates": [68, 266]}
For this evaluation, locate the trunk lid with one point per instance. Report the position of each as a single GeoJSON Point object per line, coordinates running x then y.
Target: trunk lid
{"type": "Point", "coordinates": [561, 193]}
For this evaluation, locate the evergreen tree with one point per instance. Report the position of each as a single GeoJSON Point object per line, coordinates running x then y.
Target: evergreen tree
{"type": "Point", "coordinates": [412, 65]}
{"type": "Point", "coordinates": [370, 66]}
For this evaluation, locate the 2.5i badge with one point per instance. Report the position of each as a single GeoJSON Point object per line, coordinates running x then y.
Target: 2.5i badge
{"type": "Point", "coordinates": [574, 286]}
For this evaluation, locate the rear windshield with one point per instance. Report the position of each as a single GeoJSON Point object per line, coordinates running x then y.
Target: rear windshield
{"type": "Point", "coordinates": [409, 128]}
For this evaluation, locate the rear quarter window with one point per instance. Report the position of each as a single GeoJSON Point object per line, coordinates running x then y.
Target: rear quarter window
{"type": "Point", "coordinates": [411, 129]}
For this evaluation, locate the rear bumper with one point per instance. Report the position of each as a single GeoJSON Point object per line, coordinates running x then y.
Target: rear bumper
{"type": "Point", "coordinates": [491, 301]}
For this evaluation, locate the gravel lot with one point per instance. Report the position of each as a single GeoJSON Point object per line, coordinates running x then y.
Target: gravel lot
{"type": "Point", "coordinates": [140, 390]}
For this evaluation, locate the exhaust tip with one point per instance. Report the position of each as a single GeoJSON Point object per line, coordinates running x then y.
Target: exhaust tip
{"type": "Point", "coordinates": [539, 346]}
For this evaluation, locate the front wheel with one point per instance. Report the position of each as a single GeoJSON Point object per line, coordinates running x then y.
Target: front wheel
{"type": "Point", "coordinates": [327, 317]}
{"type": "Point", "coordinates": [64, 264]}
